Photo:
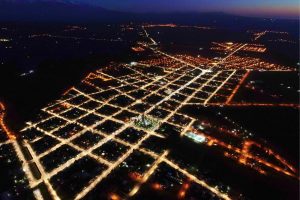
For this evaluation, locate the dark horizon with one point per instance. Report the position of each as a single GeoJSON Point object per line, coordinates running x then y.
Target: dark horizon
{"type": "Point", "coordinates": [273, 9]}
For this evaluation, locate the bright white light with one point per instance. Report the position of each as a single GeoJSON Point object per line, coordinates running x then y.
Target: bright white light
{"type": "Point", "coordinates": [200, 127]}
{"type": "Point", "coordinates": [196, 137]}
{"type": "Point", "coordinates": [133, 63]}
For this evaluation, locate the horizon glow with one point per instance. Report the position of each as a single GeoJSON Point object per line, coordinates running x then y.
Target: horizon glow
{"type": "Point", "coordinates": [257, 8]}
{"type": "Point", "coordinates": [266, 8]}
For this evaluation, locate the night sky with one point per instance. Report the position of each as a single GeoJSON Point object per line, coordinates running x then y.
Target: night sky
{"type": "Point", "coordinates": [266, 8]}
{"type": "Point", "coordinates": [260, 8]}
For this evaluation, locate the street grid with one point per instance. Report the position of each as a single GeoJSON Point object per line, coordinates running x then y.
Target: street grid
{"type": "Point", "coordinates": [98, 123]}
{"type": "Point", "coordinates": [103, 112]}
{"type": "Point", "coordinates": [72, 112]}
